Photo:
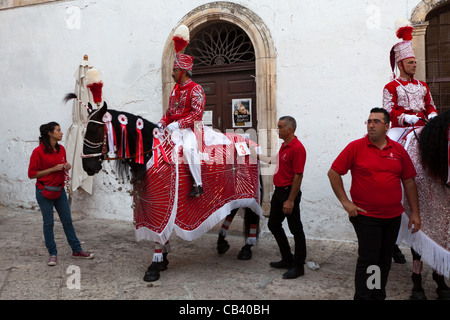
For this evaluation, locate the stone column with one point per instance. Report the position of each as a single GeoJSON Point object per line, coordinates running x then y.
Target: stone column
{"type": "Point", "coordinates": [419, 49]}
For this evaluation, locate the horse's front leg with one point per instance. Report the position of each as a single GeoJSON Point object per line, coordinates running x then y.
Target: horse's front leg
{"type": "Point", "coordinates": [222, 244]}
{"type": "Point", "coordinates": [159, 262]}
{"type": "Point", "coordinates": [417, 292]}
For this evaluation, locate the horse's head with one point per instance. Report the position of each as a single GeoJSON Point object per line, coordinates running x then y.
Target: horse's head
{"type": "Point", "coordinates": [94, 143]}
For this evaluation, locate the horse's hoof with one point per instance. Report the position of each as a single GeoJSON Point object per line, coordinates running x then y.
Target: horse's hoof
{"type": "Point", "coordinates": [152, 273]}
{"type": "Point", "coordinates": [443, 294]}
{"type": "Point", "coordinates": [222, 246]}
{"type": "Point", "coordinates": [245, 253]}
{"type": "Point", "coordinates": [150, 277]}
{"type": "Point", "coordinates": [418, 295]}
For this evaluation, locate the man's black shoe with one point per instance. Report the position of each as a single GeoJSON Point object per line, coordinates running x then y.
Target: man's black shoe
{"type": "Point", "coordinates": [281, 265]}
{"type": "Point", "coordinates": [196, 191]}
{"type": "Point", "coordinates": [294, 272]}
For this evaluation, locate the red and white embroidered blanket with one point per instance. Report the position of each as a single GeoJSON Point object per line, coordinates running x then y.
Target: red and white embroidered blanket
{"type": "Point", "coordinates": [162, 203]}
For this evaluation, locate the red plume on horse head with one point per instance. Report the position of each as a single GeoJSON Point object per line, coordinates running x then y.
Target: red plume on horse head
{"type": "Point", "coordinates": [95, 84]}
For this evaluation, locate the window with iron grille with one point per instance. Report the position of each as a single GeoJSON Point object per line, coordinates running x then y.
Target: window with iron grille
{"type": "Point", "coordinates": [221, 44]}
{"type": "Point", "coordinates": [437, 43]}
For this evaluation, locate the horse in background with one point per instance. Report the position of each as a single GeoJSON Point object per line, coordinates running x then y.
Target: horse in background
{"type": "Point", "coordinates": [429, 149]}
{"type": "Point", "coordinates": [149, 159]}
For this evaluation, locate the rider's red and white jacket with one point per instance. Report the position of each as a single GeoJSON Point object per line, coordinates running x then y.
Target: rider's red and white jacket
{"type": "Point", "coordinates": [186, 105]}
{"type": "Point", "coordinates": [402, 97]}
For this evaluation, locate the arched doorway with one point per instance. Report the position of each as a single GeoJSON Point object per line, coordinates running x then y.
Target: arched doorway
{"type": "Point", "coordinates": [225, 67]}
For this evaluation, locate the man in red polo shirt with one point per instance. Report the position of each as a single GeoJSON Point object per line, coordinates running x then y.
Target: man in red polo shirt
{"type": "Point", "coordinates": [379, 166]}
{"type": "Point", "coordinates": [285, 201]}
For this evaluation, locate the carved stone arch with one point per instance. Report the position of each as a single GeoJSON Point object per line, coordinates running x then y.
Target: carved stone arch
{"type": "Point", "coordinates": [421, 11]}
{"type": "Point", "coordinates": [418, 19]}
{"type": "Point", "coordinates": [265, 68]}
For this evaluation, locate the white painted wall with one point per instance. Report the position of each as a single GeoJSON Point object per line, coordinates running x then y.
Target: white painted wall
{"type": "Point", "coordinates": [332, 63]}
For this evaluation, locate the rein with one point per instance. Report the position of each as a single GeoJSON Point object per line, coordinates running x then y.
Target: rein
{"type": "Point", "coordinates": [413, 129]}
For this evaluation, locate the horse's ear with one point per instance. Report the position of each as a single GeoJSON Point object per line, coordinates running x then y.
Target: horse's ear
{"type": "Point", "coordinates": [90, 109]}
{"type": "Point", "coordinates": [103, 108]}
{"type": "Point", "coordinates": [101, 112]}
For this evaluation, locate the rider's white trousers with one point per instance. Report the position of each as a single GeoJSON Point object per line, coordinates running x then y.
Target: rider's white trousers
{"type": "Point", "coordinates": [190, 151]}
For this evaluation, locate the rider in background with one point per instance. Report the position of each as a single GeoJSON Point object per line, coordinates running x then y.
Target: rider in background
{"type": "Point", "coordinates": [407, 100]}
{"type": "Point", "coordinates": [410, 105]}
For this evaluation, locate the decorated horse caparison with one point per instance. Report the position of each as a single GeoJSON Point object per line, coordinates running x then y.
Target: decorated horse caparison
{"type": "Point", "coordinates": [429, 149]}
{"type": "Point", "coordinates": [161, 180]}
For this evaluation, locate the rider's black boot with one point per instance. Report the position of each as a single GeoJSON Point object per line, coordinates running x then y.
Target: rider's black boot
{"type": "Point", "coordinates": [196, 191]}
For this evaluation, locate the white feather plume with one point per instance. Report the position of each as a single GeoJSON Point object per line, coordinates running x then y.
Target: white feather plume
{"type": "Point", "coordinates": [93, 76]}
{"type": "Point", "coordinates": [182, 32]}
{"type": "Point", "coordinates": [401, 22]}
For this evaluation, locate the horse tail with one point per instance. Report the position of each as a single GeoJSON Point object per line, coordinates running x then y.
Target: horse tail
{"type": "Point", "coordinates": [69, 96]}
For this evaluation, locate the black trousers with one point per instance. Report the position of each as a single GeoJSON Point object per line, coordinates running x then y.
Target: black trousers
{"type": "Point", "coordinates": [276, 219]}
{"type": "Point", "coordinates": [376, 239]}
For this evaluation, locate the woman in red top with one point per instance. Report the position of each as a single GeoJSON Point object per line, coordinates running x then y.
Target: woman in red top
{"type": "Point", "coordinates": [48, 165]}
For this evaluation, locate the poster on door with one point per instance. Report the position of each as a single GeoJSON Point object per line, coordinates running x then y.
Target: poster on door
{"type": "Point", "coordinates": [242, 113]}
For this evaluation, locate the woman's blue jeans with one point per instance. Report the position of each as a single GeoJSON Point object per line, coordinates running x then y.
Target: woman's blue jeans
{"type": "Point", "coordinates": [61, 205]}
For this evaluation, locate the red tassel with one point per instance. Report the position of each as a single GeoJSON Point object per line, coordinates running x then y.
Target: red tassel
{"type": "Point", "coordinates": [139, 148]}
{"type": "Point", "coordinates": [405, 33]}
{"type": "Point", "coordinates": [157, 145]}
{"type": "Point", "coordinates": [179, 43]}
{"type": "Point", "coordinates": [123, 142]}
{"type": "Point", "coordinates": [155, 151]}
{"type": "Point", "coordinates": [96, 89]}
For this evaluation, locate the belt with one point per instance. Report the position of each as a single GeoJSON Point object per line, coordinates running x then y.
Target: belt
{"type": "Point", "coordinates": [283, 188]}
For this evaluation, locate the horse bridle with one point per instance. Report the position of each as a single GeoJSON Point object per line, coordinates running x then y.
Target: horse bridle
{"type": "Point", "coordinates": [103, 145]}
{"type": "Point", "coordinates": [94, 145]}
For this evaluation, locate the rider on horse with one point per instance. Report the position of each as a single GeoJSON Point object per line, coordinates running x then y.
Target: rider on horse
{"type": "Point", "coordinates": [186, 105]}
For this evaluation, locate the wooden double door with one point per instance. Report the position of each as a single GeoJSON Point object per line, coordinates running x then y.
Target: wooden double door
{"type": "Point", "coordinates": [225, 89]}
